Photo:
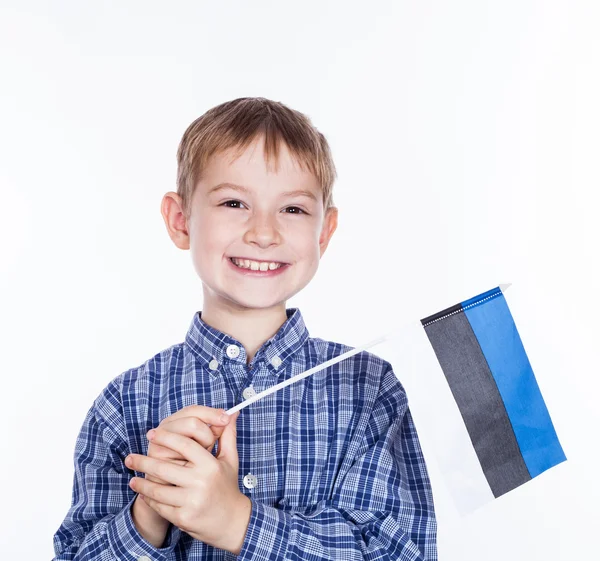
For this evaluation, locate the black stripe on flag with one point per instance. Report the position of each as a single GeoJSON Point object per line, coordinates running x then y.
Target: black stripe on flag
{"type": "Point", "coordinates": [478, 399]}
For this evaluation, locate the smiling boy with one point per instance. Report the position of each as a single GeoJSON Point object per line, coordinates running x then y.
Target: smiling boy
{"type": "Point", "coordinates": [329, 467]}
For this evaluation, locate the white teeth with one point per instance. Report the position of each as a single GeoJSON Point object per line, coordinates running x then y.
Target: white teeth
{"type": "Point", "coordinates": [256, 265]}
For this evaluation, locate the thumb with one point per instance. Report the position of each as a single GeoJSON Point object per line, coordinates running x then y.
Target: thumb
{"type": "Point", "coordinates": [228, 443]}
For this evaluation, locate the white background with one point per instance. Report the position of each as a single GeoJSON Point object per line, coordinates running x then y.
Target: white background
{"type": "Point", "coordinates": [466, 137]}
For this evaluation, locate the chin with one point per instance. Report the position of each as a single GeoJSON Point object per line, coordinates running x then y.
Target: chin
{"type": "Point", "coordinates": [256, 303]}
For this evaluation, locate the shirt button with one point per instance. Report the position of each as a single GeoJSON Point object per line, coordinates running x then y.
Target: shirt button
{"type": "Point", "coordinates": [213, 364]}
{"type": "Point", "coordinates": [250, 481]}
{"type": "Point", "coordinates": [249, 392]}
{"type": "Point", "coordinates": [233, 351]}
{"type": "Point", "coordinates": [276, 361]}
{"type": "Point", "coordinates": [144, 558]}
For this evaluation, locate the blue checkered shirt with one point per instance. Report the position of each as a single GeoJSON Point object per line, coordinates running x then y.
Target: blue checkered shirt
{"type": "Point", "coordinates": [334, 463]}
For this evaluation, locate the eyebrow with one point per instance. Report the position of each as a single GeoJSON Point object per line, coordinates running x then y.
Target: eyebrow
{"type": "Point", "coordinates": [242, 189]}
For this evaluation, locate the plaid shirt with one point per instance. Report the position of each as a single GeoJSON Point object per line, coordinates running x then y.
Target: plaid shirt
{"type": "Point", "coordinates": [332, 463]}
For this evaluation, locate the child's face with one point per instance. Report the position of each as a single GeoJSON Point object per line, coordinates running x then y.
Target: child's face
{"type": "Point", "coordinates": [262, 226]}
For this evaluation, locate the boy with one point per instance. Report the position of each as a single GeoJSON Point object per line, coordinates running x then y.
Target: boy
{"type": "Point", "coordinates": [329, 467]}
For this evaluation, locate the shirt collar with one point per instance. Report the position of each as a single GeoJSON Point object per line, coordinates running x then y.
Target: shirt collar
{"type": "Point", "coordinates": [213, 347]}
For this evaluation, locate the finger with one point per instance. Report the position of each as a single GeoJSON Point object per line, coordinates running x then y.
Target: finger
{"type": "Point", "coordinates": [188, 449]}
{"type": "Point", "coordinates": [209, 415]}
{"type": "Point", "coordinates": [168, 512]}
{"type": "Point", "coordinates": [160, 469]}
{"type": "Point", "coordinates": [164, 494]}
{"type": "Point", "coordinates": [218, 430]}
{"type": "Point", "coordinates": [162, 453]}
{"type": "Point", "coordinates": [157, 479]}
{"type": "Point", "coordinates": [196, 429]}
{"type": "Point", "coordinates": [228, 444]}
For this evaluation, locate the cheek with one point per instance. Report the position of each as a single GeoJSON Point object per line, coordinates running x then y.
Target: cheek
{"type": "Point", "coordinates": [306, 244]}
{"type": "Point", "coordinates": [209, 242]}
{"type": "Point", "coordinates": [213, 235]}
{"type": "Point", "coordinates": [304, 237]}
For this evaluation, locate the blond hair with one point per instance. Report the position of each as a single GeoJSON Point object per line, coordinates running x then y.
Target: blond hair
{"type": "Point", "coordinates": [234, 124]}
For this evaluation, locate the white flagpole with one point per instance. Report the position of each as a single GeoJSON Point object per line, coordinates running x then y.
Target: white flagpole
{"type": "Point", "coordinates": [323, 365]}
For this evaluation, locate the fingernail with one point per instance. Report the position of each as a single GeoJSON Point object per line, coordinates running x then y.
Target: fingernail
{"type": "Point", "coordinates": [225, 418]}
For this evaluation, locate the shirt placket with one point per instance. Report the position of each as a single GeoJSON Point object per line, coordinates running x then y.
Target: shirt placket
{"type": "Point", "coordinates": [259, 477]}
{"type": "Point", "coordinates": [244, 375]}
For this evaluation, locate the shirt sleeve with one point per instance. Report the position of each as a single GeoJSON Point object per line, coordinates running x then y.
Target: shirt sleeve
{"type": "Point", "coordinates": [99, 524]}
{"type": "Point", "coordinates": [382, 509]}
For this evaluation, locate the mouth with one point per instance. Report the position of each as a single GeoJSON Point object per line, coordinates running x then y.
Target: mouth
{"type": "Point", "coordinates": [252, 265]}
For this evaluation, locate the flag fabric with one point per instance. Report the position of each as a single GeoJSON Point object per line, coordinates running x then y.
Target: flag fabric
{"type": "Point", "coordinates": [476, 402]}
{"type": "Point", "coordinates": [489, 426]}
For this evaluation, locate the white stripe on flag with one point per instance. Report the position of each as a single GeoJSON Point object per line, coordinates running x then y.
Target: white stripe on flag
{"type": "Point", "coordinates": [438, 420]}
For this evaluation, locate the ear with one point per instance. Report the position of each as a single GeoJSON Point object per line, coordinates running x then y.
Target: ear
{"type": "Point", "coordinates": [329, 226]}
{"type": "Point", "coordinates": [172, 213]}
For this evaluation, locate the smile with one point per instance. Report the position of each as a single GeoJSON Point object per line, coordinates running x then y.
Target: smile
{"type": "Point", "coordinates": [256, 265]}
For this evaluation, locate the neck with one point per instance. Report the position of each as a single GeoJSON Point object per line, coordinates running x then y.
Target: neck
{"type": "Point", "coordinates": [250, 326]}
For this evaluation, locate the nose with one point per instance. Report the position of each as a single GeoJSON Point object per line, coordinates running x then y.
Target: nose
{"type": "Point", "coordinates": [262, 231]}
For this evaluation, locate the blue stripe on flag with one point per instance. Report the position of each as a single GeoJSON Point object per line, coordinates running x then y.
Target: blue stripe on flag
{"type": "Point", "coordinates": [495, 329]}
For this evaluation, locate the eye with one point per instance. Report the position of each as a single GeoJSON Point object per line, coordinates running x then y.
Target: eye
{"type": "Point", "coordinates": [232, 201]}
{"type": "Point", "coordinates": [298, 210]}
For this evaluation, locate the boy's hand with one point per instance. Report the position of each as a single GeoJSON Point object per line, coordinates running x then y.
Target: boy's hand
{"type": "Point", "coordinates": [204, 499]}
{"type": "Point", "coordinates": [198, 422]}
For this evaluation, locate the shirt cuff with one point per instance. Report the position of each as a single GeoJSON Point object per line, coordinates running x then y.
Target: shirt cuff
{"type": "Point", "coordinates": [127, 544]}
{"type": "Point", "coordinates": [267, 536]}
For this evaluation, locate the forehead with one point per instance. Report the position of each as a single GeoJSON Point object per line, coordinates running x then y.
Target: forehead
{"type": "Point", "coordinates": [252, 166]}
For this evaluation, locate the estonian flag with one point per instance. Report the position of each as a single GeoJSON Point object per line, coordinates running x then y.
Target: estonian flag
{"type": "Point", "coordinates": [486, 415]}
{"type": "Point", "coordinates": [471, 389]}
